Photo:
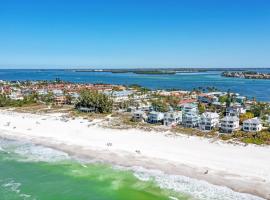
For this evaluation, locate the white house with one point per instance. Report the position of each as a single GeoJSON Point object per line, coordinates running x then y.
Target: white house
{"type": "Point", "coordinates": [172, 118]}
{"type": "Point", "coordinates": [229, 124]}
{"type": "Point", "coordinates": [190, 115]}
{"type": "Point", "coordinates": [57, 92]}
{"type": "Point", "coordinates": [190, 120]}
{"type": "Point", "coordinates": [235, 111]}
{"type": "Point", "coordinates": [190, 108]}
{"type": "Point", "coordinates": [155, 117]}
{"type": "Point", "coordinates": [139, 115]}
{"type": "Point", "coordinates": [119, 96]}
{"type": "Point", "coordinates": [16, 96]}
{"type": "Point", "coordinates": [42, 91]}
{"type": "Point", "coordinates": [209, 120]}
{"type": "Point", "coordinates": [252, 125]}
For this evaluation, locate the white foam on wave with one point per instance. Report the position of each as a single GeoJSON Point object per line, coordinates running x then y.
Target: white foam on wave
{"type": "Point", "coordinates": [40, 153]}
{"type": "Point", "coordinates": [13, 186]}
{"type": "Point", "coordinates": [32, 152]}
{"type": "Point", "coordinates": [198, 189]}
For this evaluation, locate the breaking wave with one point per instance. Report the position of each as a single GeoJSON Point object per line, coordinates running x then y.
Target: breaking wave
{"type": "Point", "coordinates": [11, 186]}
{"type": "Point", "coordinates": [197, 189]}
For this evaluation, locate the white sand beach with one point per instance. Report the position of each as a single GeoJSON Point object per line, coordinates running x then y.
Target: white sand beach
{"type": "Point", "coordinates": [241, 168]}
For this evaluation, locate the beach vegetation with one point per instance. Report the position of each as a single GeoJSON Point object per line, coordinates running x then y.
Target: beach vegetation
{"type": "Point", "coordinates": [47, 98]}
{"type": "Point", "coordinates": [245, 116]}
{"type": "Point", "coordinates": [201, 108]}
{"type": "Point", "coordinates": [68, 99]}
{"type": "Point", "coordinates": [98, 102]}
{"type": "Point", "coordinates": [259, 138]}
{"type": "Point", "coordinates": [225, 136]}
{"type": "Point", "coordinates": [6, 101]}
{"type": "Point", "coordinates": [223, 99]}
{"type": "Point", "coordinates": [160, 105]}
{"type": "Point", "coordinates": [172, 101]}
{"type": "Point", "coordinates": [260, 109]}
{"type": "Point", "coordinates": [263, 136]}
{"type": "Point", "coordinates": [139, 88]}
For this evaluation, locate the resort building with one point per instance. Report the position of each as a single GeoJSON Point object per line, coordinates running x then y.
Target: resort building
{"type": "Point", "coordinates": [252, 125]}
{"type": "Point", "coordinates": [209, 120]}
{"type": "Point", "coordinates": [229, 124]}
{"type": "Point", "coordinates": [172, 118]}
{"type": "Point", "coordinates": [155, 117]}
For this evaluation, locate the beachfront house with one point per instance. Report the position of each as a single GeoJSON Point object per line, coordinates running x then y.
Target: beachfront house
{"type": "Point", "coordinates": [139, 115]}
{"type": "Point", "coordinates": [252, 125]}
{"type": "Point", "coordinates": [190, 115]}
{"type": "Point", "coordinates": [172, 118]}
{"type": "Point", "coordinates": [229, 124]}
{"type": "Point", "coordinates": [155, 117]}
{"type": "Point", "coordinates": [209, 120]}
{"type": "Point", "coordinates": [190, 120]}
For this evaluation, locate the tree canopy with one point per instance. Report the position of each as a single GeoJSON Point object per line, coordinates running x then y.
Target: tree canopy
{"type": "Point", "coordinates": [99, 102]}
{"type": "Point", "coordinates": [160, 106]}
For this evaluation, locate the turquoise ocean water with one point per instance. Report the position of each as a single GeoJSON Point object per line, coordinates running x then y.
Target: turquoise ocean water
{"type": "Point", "coordinates": [31, 172]}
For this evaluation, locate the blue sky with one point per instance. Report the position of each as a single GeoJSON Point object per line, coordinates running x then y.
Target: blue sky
{"type": "Point", "coordinates": [138, 33]}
